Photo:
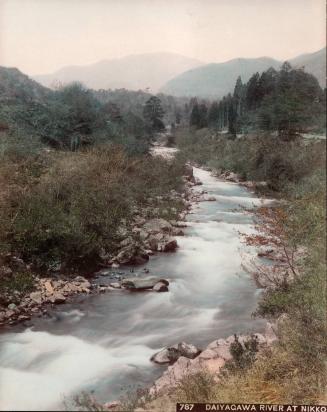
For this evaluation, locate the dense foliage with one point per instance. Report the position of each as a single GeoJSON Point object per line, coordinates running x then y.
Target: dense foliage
{"type": "Point", "coordinates": [288, 101]}
{"type": "Point", "coordinates": [72, 208]}
{"type": "Point", "coordinates": [72, 117]}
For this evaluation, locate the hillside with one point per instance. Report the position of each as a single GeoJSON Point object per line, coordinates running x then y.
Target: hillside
{"type": "Point", "coordinates": [133, 72]}
{"type": "Point", "coordinates": [16, 85]}
{"type": "Point", "coordinates": [314, 63]}
{"type": "Point", "coordinates": [218, 79]}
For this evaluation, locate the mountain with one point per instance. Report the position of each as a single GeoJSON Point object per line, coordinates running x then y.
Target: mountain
{"type": "Point", "coordinates": [132, 72]}
{"type": "Point", "coordinates": [314, 63]}
{"type": "Point", "coordinates": [16, 85]}
{"type": "Point", "coordinates": [218, 79]}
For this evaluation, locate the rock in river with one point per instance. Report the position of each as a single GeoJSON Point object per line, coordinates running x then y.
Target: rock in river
{"type": "Point", "coordinates": [143, 283]}
{"type": "Point", "coordinates": [172, 353]}
{"type": "Point", "coordinates": [160, 287]}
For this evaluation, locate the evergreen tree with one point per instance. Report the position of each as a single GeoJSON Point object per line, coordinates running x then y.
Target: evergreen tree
{"type": "Point", "coordinates": [195, 118]}
{"type": "Point", "coordinates": [238, 95]}
{"type": "Point", "coordinates": [203, 111]}
{"type": "Point", "coordinates": [252, 92]}
{"type": "Point", "coordinates": [213, 115]}
{"type": "Point", "coordinates": [153, 114]}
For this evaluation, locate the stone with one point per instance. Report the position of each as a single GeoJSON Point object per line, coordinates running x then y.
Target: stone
{"type": "Point", "coordinates": [9, 313]}
{"type": "Point", "coordinates": [161, 357]}
{"type": "Point", "coordinates": [154, 226]}
{"type": "Point", "coordinates": [36, 297]}
{"type": "Point", "coordinates": [177, 232]}
{"type": "Point", "coordinates": [21, 318]}
{"type": "Point", "coordinates": [160, 287]}
{"type": "Point", "coordinates": [222, 351]}
{"type": "Point", "coordinates": [208, 354]}
{"type": "Point", "coordinates": [86, 284]}
{"type": "Point", "coordinates": [57, 298]}
{"type": "Point", "coordinates": [173, 353]}
{"type": "Point", "coordinates": [132, 255]}
{"type": "Point", "coordinates": [168, 245]}
{"type": "Point", "coordinates": [188, 350]}
{"type": "Point", "coordinates": [12, 306]}
{"type": "Point", "coordinates": [153, 241]}
{"type": "Point", "coordinates": [112, 405]}
{"type": "Point", "coordinates": [142, 283]}
{"type": "Point", "coordinates": [115, 285]}
{"type": "Point", "coordinates": [48, 286]}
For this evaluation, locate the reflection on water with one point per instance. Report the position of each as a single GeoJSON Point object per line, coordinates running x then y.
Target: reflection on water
{"type": "Point", "coordinates": [104, 343]}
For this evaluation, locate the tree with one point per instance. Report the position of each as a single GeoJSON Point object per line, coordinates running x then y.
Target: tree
{"type": "Point", "coordinates": [252, 92]}
{"type": "Point", "coordinates": [195, 117]}
{"type": "Point", "coordinates": [238, 95]}
{"type": "Point", "coordinates": [213, 115]}
{"type": "Point", "coordinates": [232, 116]}
{"type": "Point", "coordinates": [203, 111]}
{"type": "Point", "coordinates": [153, 114]}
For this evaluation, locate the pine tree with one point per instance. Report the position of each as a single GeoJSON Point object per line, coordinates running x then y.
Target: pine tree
{"type": "Point", "coordinates": [213, 115]}
{"type": "Point", "coordinates": [238, 95]}
{"type": "Point", "coordinates": [153, 114]}
{"type": "Point", "coordinates": [203, 111]}
{"type": "Point", "coordinates": [195, 118]}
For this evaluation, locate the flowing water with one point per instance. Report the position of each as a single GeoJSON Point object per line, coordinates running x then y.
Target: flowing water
{"type": "Point", "coordinates": [103, 343]}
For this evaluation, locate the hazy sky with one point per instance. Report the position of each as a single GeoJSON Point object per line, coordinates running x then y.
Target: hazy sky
{"type": "Point", "coordinates": [40, 36]}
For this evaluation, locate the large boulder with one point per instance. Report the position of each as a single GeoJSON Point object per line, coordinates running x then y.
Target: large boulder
{"type": "Point", "coordinates": [161, 357]}
{"type": "Point", "coordinates": [154, 226]}
{"type": "Point", "coordinates": [161, 243]}
{"type": "Point", "coordinates": [172, 353]}
{"type": "Point", "coordinates": [160, 287]}
{"type": "Point", "coordinates": [153, 241]}
{"type": "Point", "coordinates": [36, 297]}
{"type": "Point", "coordinates": [168, 244]}
{"type": "Point", "coordinates": [57, 298]}
{"type": "Point", "coordinates": [132, 254]}
{"type": "Point", "coordinates": [188, 350]}
{"type": "Point", "coordinates": [143, 283]}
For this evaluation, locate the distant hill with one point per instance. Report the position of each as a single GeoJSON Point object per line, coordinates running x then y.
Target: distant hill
{"type": "Point", "coordinates": [218, 79]}
{"type": "Point", "coordinates": [133, 72]}
{"type": "Point", "coordinates": [314, 63]}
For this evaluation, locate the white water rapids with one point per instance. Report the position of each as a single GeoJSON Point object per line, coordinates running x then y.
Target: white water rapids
{"type": "Point", "coordinates": [104, 342]}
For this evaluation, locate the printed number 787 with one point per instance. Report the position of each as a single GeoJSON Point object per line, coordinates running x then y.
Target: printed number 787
{"type": "Point", "coordinates": [186, 406]}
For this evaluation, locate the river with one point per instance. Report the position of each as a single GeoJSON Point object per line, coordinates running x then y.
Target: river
{"type": "Point", "coordinates": [103, 343]}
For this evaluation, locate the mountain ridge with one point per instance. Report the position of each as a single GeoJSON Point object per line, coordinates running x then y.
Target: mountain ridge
{"type": "Point", "coordinates": [215, 80]}
{"type": "Point", "coordinates": [135, 72]}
